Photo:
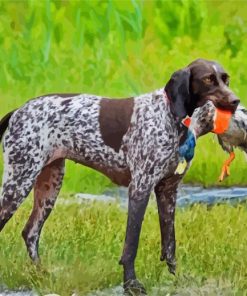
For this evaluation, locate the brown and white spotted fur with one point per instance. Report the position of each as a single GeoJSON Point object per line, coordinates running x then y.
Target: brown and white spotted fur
{"type": "Point", "coordinates": [132, 141]}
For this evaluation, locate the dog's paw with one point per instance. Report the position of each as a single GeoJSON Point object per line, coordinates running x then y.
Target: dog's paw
{"type": "Point", "coordinates": [171, 266]}
{"type": "Point", "coordinates": [134, 288]}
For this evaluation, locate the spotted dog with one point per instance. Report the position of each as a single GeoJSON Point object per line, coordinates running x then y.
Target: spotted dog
{"type": "Point", "coordinates": [133, 141]}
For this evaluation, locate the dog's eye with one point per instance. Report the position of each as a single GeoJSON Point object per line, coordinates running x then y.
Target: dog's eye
{"type": "Point", "coordinates": [208, 79]}
{"type": "Point", "coordinates": [225, 79]}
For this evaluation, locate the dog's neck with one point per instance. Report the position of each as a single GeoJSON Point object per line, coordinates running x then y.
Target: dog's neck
{"type": "Point", "coordinates": [181, 128]}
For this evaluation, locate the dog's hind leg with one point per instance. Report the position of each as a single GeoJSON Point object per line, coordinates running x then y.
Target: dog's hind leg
{"type": "Point", "coordinates": [20, 171]}
{"type": "Point", "coordinates": [46, 189]}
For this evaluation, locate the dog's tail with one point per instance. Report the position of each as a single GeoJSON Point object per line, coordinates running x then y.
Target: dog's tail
{"type": "Point", "coordinates": [4, 123]}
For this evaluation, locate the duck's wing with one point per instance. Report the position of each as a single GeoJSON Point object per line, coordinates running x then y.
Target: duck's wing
{"type": "Point", "coordinates": [224, 144]}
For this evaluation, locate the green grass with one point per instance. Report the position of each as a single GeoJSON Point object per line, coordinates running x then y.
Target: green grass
{"type": "Point", "coordinates": [118, 49]}
{"type": "Point", "coordinates": [81, 245]}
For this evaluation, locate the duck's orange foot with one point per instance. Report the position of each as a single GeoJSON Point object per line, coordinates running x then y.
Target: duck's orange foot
{"type": "Point", "coordinates": [225, 171]}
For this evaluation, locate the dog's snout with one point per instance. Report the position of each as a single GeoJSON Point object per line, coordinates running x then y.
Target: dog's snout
{"type": "Point", "coordinates": [235, 102]}
{"type": "Point", "coordinates": [232, 101]}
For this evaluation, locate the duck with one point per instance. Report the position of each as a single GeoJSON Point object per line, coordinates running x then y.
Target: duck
{"type": "Point", "coordinates": [230, 128]}
{"type": "Point", "coordinates": [234, 137]}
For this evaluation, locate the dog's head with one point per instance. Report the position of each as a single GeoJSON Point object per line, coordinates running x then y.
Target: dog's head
{"type": "Point", "coordinates": [197, 83]}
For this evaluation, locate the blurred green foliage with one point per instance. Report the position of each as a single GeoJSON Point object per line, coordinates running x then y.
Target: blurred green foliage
{"type": "Point", "coordinates": [119, 48]}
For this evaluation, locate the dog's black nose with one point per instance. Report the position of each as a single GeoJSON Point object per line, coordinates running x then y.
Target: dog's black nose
{"type": "Point", "coordinates": [235, 103]}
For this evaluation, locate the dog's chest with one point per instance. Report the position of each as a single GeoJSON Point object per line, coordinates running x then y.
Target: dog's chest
{"type": "Point", "coordinates": [152, 138]}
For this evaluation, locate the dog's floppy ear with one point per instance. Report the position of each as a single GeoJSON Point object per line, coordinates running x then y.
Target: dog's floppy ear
{"type": "Point", "coordinates": [178, 92]}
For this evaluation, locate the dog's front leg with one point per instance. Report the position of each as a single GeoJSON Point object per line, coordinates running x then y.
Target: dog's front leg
{"type": "Point", "coordinates": [166, 193]}
{"type": "Point", "coordinates": [139, 194]}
